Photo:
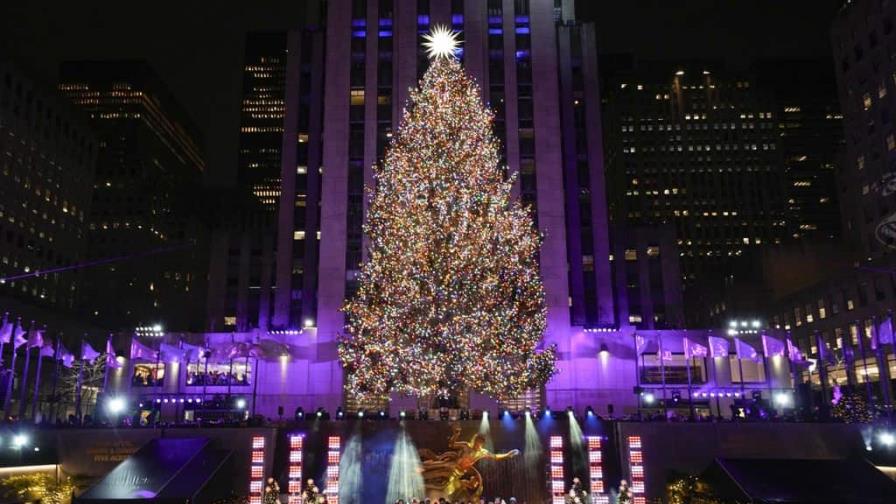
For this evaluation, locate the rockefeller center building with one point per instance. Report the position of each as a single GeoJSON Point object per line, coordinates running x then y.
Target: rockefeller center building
{"type": "Point", "coordinates": [613, 299]}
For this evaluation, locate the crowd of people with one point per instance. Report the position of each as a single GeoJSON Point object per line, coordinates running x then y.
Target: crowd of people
{"type": "Point", "coordinates": [217, 378]}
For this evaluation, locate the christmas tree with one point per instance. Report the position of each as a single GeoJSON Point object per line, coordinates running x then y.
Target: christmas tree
{"type": "Point", "coordinates": [450, 296]}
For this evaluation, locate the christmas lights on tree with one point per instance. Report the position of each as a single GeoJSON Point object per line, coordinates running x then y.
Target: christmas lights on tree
{"type": "Point", "coordinates": [450, 297]}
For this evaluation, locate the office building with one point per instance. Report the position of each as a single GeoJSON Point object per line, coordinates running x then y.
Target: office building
{"type": "Point", "coordinates": [47, 159]}
{"type": "Point", "coordinates": [144, 232]}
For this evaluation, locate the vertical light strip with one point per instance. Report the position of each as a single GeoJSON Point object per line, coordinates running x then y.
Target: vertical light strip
{"type": "Point", "coordinates": [636, 469]}
{"type": "Point", "coordinates": [558, 492]}
{"type": "Point", "coordinates": [334, 443]}
{"type": "Point", "coordinates": [596, 471]}
{"type": "Point", "coordinates": [256, 468]}
{"type": "Point", "coordinates": [296, 443]}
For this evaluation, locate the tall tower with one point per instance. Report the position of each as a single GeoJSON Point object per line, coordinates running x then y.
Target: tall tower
{"type": "Point", "coordinates": [348, 78]}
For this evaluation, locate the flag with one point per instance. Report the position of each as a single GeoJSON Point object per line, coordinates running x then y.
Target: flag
{"type": "Point", "coordinates": [47, 350]}
{"type": "Point", "coordinates": [171, 353]}
{"type": "Point", "coordinates": [884, 333]}
{"type": "Point", "coordinates": [19, 337]}
{"type": "Point", "coordinates": [87, 351]}
{"type": "Point", "coordinates": [718, 347]}
{"type": "Point", "coordinates": [36, 338]}
{"type": "Point", "coordinates": [6, 330]}
{"type": "Point", "coordinates": [142, 352]}
{"type": "Point", "coordinates": [693, 349]}
{"type": "Point", "coordinates": [772, 346]}
{"type": "Point", "coordinates": [111, 358]}
{"type": "Point", "coordinates": [193, 352]}
{"type": "Point", "coordinates": [646, 344]}
{"type": "Point", "coordinates": [746, 351]}
{"type": "Point", "coordinates": [793, 352]}
{"type": "Point", "coordinates": [66, 357]}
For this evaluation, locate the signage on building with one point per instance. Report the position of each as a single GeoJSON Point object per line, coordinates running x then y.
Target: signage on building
{"type": "Point", "coordinates": [885, 232]}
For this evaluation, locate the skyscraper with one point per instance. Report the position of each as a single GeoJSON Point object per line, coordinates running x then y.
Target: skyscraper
{"type": "Point", "coordinates": [347, 82]}
{"type": "Point", "coordinates": [47, 159]}
{"type": "Point", "coordinates": [144, 228]}
{"type": "Point", "coordinates": [261, 115]}
{"type": "Point", "coordinates": [863, 38]}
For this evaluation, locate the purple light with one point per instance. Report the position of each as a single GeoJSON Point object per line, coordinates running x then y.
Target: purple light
{"type": "Point", "coordinates": [386, 22]}
{"type": "Point", "coordinates": [494, 20]}
{"type": "Point", "coordinates": [521, 19]}
{"type": "Point", "coordinates": [495, 31]}
{"type": "Point", "coordinates": [360, 23]}
{"type": "Point", "coordinates": [423, 19]}
{"type": "Point", "coordinates": [158, 400]}
{"type": "Point", "coordinates": [165, 400]}
{"type": "Point", "coordinates": [522, 54]}
{"type": "Point", "coordinates": [385, 33]}
{"type": "Point", "coordinates": [522, 30]}
{"type": "Point", "coordinates": [457, 19]}
{"type": "Point", "coordinates": [359, 33]}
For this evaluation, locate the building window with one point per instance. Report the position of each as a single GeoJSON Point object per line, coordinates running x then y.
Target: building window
{"type": "Point", "coordinates": [634, 318]}
{"type": "Point", "coordinates": [230, 320]}
{"type": "Point", "coordinates": [860, 162]}
{"type": "Point", "coordinates": [631, 255]}
{"type": "Point", "coordinates": [653, 251]}
{"type": "Point", "coordinates": [866, 101]}
{"type": "Point", "coordinates": [891, 142]}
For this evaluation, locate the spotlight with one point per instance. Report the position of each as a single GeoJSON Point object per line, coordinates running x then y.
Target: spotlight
{"type": "Point", "coordinates": [649, 398]}
{"type": "Point", "coordinates": [319, 413]}
{"type": "Point", "coordinates": [604, 350]}
{"type": "Point", "coordinates": [783, 400]}
{"type": "Point", "coordinates": [401, 414]}
{"type": "Point", "coordinates": [505, 414]}
{"type": "Point", "coordinates": [339, 413]}
{"type": "Point", "coordinates": [485, 414]}
{"type": "Point", "coordinates": [887, 439]}
{"type": "Point", "coordinates": [382, 414]}
{"type": "Point", "coordinates": [589, 411]}
{"type": "Point", "coordinates": [158, 400]}
{"type": "Point", "coordinates": [19, 441]}
{"type": "Point", "coordinates": [528, 412]}
{"type": "Point", "coordinates": [676, 397]}
{"type": "Point", "coordinates": [361, 414]}
{"type": "Point", "coordinates": [547, 412]}
{"type": "Point", "coordinates": [300, 413]}
{"type": "Point", "coordinates": [240, 404]}
{"type": "Point", "coordinates": [116, 405]}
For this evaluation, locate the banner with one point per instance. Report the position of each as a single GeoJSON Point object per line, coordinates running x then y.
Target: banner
{"type": "Point", "coordinates": [193, 352]}
{"type": "Point", "coordinates": [19, 336]}
{"type": "Point", "coordinates": [111, 358]}
{"type": "Point", "coordinates": [36, 338]}
{"type": "Point", "coordinates": [646, 344]}
{"type": "Point", "coordinates": [745, 351]}
{"type": "Point", "coordinates": [67, 358]}
{"type": "Point", "coordinates": [171, 353]}
{"type": "Point", "coordinates": [140, 351]}
{"type": "Point", "coordinates": [884, 333]}
{"type": "Point", "coordinates": [772, 346]}
{"type": "Point", "coordinates": [793, 352]}
{"type": "Point", "coordinates": [693, 349]}
{"type": "Point", "coordinates": [6, 331]}
{"type": "Point", "coordinates": [719, 347]}
{"type": "Point", "coordinates": [87, 352]}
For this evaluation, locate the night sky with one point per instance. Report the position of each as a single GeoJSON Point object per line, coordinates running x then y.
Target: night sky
{"type": "Point", "coordinates": [197, 46]}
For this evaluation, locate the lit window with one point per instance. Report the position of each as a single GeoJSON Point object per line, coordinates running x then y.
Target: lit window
{"type": "Point", "coordinates": [634, 318]}
{"type": "Point", "coordinates": [230, 320]}
{"type": "Point", "coordinates": [866, 101]}
{"type": "Point", "coordinates": [357, 97]}
{"type": "Point", "coordinates": [860, 162]}
{"type": "Point", "coordinates": [298, 235]}
{"type": "Point", "coordinates": [631, 255]}
{"type": "Point", "coordinates": [653, 251]}
{"type": "Point", "coordinates": [891, 142]}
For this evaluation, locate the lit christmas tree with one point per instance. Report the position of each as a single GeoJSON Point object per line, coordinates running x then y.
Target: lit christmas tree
{"type": "Point", "coordinates": [450, 297]}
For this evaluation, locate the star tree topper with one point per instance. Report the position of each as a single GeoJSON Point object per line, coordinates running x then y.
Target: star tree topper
{"type": "Point", "coordinates": [441, 42]}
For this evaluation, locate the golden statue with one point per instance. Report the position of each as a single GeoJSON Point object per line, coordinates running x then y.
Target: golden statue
{"type": "Point", "coordinates": [451, 474]}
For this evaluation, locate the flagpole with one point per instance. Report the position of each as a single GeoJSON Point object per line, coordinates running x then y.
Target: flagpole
{"type": "Point", "coordinates": [56, 400]}
{"type": "Point", "coordinates": [78, 383]}
{"type": "Point", "coordinates": [106, 366]}
{"type": "Point", "coordinates": [663, 377]}
{"type": "Point", "coordinates": [7, 397]}
{"type": "Point", "coordinates": [2, 340]}
{"type": "Point", "coordinates": [884, 370]}
{"type": "Point", "coordinates": [690, 392]}
{"type": "Point", "coordinates": [40, 359]}
{"type": "Point", "coordinates": [637, 371]}
{"type": "Point", "coordinates": [860, 330]}
{"type": "Point", "coordinates": [23, 387]}
{"type": "Point", "coordinates": [822, 366]}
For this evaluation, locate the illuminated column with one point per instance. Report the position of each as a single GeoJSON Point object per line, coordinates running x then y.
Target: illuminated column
{"type": "Point", "coordinates": [331, 489]}
{"type": "Point", "coordinates": [296, 443]}
{"type": "Point", "coordinates": [256, 468]}
{"type": "Point", "coordinates": [558, 493]}
{"type": "Point", "coordinates": [636, 469]}
{"type": "Point", "coordinates": [596, 471]}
